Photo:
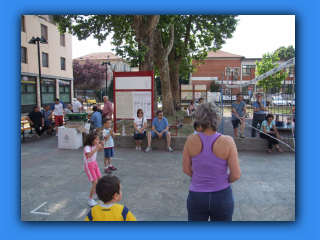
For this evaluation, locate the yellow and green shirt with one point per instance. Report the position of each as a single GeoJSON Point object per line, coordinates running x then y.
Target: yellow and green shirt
{"type": "Point", "coordinates": [115, 212]}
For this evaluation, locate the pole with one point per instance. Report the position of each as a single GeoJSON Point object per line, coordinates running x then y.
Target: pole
{"type": "Point", "coordinates": [106, 79]}
{"type": "Point", "coordinates": [39, 71]}
{"type": "Point", "coordinates": [231, 84]}
{"type": "Point", "coordinates": [221, 92]}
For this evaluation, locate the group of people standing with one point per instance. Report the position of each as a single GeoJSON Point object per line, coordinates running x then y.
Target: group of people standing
{"type": "Point", "coordinates": [268, 128]}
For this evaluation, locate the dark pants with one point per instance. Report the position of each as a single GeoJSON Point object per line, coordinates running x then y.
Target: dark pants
{"type": "Point", "coordinates": [257, 118]}
{"type": "Point", "coordinates": [218, 205]}
{"type": "Point", "coordinates": [37, 126]}
{"type": "Point", "coordinates": [138, 136]}
{"type": "Point", "coordinates": [271, 140]}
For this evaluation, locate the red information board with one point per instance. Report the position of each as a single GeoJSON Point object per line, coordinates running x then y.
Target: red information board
{"type": "Point", "coordinates": [133, 91]}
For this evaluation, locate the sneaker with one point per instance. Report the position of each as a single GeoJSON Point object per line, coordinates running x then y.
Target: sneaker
{"type": "Point", "coordinates": [92, 202]}
{"type": "Point", "coordinates": [107, 170]}
{"type": "Point", "coordinates": [148, 149]}
{"type": "Point", "coordinates": [95, 197]}
{"type": "Point", "coordinates": [57, 135]}
{"type": "Point", "coordinates": [242, 135]}
{"type": "Point", "coordinates": [169, 149]}
{"type": "Point", "coordinates": [38, 136]}
{"type": "Point", "coordinates": [137, 148]}
{"type": "Point", "coordinates": [112, 168]}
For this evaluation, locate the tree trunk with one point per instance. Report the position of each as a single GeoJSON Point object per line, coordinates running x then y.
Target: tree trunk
{"type": "Point", "coordinates": [175, 61]}
{"type": "Point", "coordinates": [174, 78]}
{"type": "Point", "coordinates": [161, 56]}
{"type": "Point", "coordinates": [144, 32]}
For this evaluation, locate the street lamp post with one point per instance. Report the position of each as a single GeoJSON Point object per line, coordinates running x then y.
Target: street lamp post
{"type": "Point", "coordinates": [106, 63]}
{"type": "Point", "coordinates": [43, 41]}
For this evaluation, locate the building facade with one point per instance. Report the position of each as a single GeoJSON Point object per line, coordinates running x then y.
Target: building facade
{"type": "Point", "coordinates": [118, 64]}
{"type": "Point", "coordinates": [55, 63]}
{"type": "Point", "coordinates": [242, 69]}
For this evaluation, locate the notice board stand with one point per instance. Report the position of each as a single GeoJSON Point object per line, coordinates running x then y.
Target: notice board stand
{"type": "Point", "coordinates": [133, 91]}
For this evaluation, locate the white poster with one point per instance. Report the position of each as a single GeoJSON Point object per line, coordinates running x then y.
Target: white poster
{"type": "Point", "coordinates": [142, 100]}
{"type": "Point", "coordinates": [123, 105]}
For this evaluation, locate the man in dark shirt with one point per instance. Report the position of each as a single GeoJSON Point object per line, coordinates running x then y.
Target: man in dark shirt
{"type": "Point", "coordinates": [36, 121]}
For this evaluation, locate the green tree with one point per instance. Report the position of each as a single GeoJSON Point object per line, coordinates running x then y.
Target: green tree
{"type": "Point", "coordinates": [110, 89]}
{"type": "Point", "coordinates": [194, 36]}
{"type": "Point", "coordinates": [268, 62]}
{"type": "Point", "coordinates": [284, 52]}
{"type": "Point", "coordinates": [133, 32]}
{"type": "Point", "coordinates": [214, 87]}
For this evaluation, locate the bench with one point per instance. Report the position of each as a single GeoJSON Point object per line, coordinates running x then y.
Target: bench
{"type": "Point", "coordinates": [24, 121]}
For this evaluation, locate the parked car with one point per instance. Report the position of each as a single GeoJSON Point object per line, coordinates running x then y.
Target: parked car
{"type": "Point", "coordinates": [278, 101]}
{"type": "Point", "coordinates": [291, 102]}
{"type": "Point", "coordinates": [92, 100]}
{"type": "Point", "coordinates": [85, 98]}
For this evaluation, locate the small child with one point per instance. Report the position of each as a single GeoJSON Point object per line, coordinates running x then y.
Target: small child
{"type": "Point", "coordinates": [108, 136]}
{"type": "Point", "coordinates": [197, 127]}
{"type": "Point", "coordinates": [109, 191]}
{"type": "Point", "coordinates": [92, 145]}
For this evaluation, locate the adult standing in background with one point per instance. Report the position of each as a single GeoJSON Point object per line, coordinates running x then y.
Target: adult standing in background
{"type": "Point", "coordinates": [239, 111]}
{"type": "Point", "coordinates": [259, 113]}
{"type": "Point", "coordinates": [68, 110]}
{"type": "Point", "coordinates": [58, 108]}
{"type": "Point", "coordinates": [206, 159]}
{"type": "Point", "coordinates": [77, 107]}
{"type": "Point", "coordinates": [107, 108]}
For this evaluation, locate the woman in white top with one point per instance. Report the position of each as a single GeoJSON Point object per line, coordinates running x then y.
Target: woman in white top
{"type": "Point", "coordinates": [140, 125]}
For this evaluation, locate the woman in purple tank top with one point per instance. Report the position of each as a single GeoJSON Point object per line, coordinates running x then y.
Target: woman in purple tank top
{"type": "Point", "coordinates": [207, 156]}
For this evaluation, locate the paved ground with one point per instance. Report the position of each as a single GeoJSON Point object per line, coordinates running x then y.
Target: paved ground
{"type": "Point", "coordinates": [54, 185]}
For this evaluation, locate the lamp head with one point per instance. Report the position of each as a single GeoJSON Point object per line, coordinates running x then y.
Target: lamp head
{"type": "Point", "coordinates": [43, 40]}
{"type": "Point", "coordinates": [32, 41]}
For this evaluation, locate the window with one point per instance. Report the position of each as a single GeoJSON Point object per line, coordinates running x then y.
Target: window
{"type": "Point", "coordinates": [22, 24]}
{"type": "Point", "coordinates": [290, 70]}
{"type": "Point", "coordinates": [48, 87]}
{"type": "Point", "coordinates": [45, 60]}
{"type": "Point", "coordinates": [23, 55]}
{"type": "Point", "coordinates": [44, 31]}
{"type": "Point", "coordinates": [63, 63]}
{"type": "Point", "coordinates": [64, 93]}
{"type": "Point", "coordinates": [62, 40]}
{"type": "Point", "coordinates": [28, 91]}
{"type": "Point", "coordinates": [236, 73]}
{"type": "Point", "coordinates": [246, 70]}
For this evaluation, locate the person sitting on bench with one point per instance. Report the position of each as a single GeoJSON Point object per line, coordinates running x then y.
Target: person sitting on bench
{"type": "Point", "coordinates": [36, 121]}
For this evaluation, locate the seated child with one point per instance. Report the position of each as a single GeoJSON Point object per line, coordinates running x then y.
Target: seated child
{"type": "Point", "coordinates": [109, 191]}
{"type": "Point", "coordinates": [197, 127]}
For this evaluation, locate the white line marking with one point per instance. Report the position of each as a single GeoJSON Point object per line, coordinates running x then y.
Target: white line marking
{"type": "Point", "coordinates": [118, 158]}
{"type": "Point", "coordinates": [34, 211]}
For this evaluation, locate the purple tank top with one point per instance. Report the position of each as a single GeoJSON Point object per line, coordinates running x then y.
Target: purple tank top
{"type": "Point", "coordinates": [210, 173]}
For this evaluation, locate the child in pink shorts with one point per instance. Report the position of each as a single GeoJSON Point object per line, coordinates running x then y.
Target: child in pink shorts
{"type": "Point", "coordinates": [92, 145]}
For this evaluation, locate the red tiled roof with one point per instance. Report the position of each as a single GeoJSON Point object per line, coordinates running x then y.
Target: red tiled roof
{"type": "Point", "coordinates": [101, 55]}
{"type": "Point", "coordinates": [221, 54]}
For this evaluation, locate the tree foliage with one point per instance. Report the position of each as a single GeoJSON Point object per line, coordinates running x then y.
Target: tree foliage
{"type": "Point", "coordinates": [195, 36]}
{"type": "Point", "coordinates": [284, 52]}
{"type": "Point", "coordinates": [133, 37]}
{"type": "Point", "coordinates": [88, 75]}
{"type": "Point", "coordinates": [268, 62]}
{"type": "Point", "coordinates": [214, 87]}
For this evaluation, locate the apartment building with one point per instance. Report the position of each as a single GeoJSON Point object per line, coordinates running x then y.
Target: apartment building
{"type": "Point", "coordinates": [55, 63]}
{"type": "Point", "coordinates": [118, 64]}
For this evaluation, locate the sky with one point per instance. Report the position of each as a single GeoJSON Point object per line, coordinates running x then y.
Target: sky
{"type": "Point", "coordinates": [254, 36]}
